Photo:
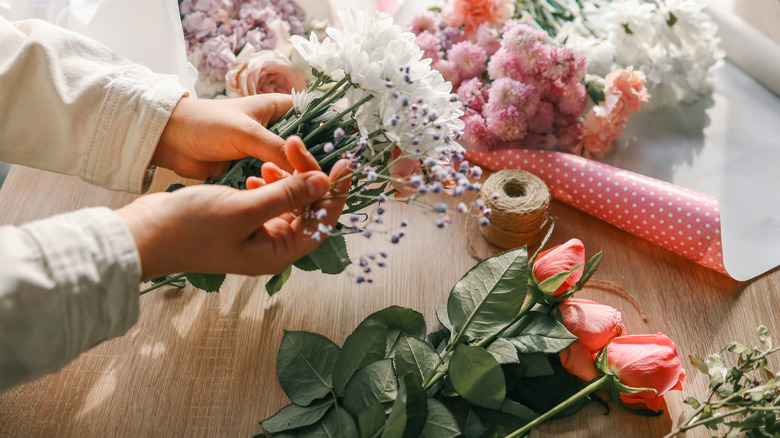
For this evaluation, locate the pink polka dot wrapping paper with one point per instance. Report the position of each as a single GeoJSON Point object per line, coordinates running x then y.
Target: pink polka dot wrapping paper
{"type": "Point", "coordinates": [681, 220]}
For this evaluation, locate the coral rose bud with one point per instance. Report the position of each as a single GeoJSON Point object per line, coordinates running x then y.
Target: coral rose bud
{"type": "Point", "coordinates": [579, 361]}
{"type": "Point", "coordinates": [595, 324]}
{"type": "Point", "coordinates": [560, 259]}
{"type": "Point", "coordinates": [646, 361]}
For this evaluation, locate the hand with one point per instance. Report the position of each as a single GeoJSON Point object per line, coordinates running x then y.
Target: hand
{"type": "Point", "coordinates": [218, 229]}
{"type": "Point", "coordinates": [202, 137]}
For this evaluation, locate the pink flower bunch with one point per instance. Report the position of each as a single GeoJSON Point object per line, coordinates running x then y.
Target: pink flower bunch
{"type": "Point", "coordinates": [624, 92]}
{"type": "Point", "coordinates": [518, 90]}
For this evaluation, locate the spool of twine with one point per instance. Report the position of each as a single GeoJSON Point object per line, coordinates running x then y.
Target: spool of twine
{"type": "Point", "coordinates": [520, 213]}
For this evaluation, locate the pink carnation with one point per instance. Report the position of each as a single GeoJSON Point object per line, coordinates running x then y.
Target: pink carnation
{"type": "Point", "coordinates": [423, 22]}
{"type": "Point", "coordinates": [449, 71]}
{"type": "Point", "coordinates": [573, 99]}
{"type": "Point", "coordinates": [599, 137]}
{"type": "Point", "coordinates": [626, 88]}
{"type": "Point", "coordinates": [569, 137]}
{"type": "Point", "coordinates": [505, 65]}
{"type": "Point", "coordinates": [487, 38]}
{"type": "Point", "coordinates": [469, 58]}
{"type": "Point", "coordinates": [543, 119]}
{"type": "Point", "coordinates": [471, 94]}
{"type": "Point", "coordinates": [509, 92]}
{"type": "Point", "coordinates": [556, 63]}
{"type": "Point", "coordinates": [430, 46]}
{"type": "Point", "coordinates": [476, 132]}
{"type": "Point", "coordinates": [508, 124]}
{"type": "Point", "coordinates": [519, 39]}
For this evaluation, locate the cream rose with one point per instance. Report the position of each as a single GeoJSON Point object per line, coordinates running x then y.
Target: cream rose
{"type": "Point", "coordinates": [266, 71]}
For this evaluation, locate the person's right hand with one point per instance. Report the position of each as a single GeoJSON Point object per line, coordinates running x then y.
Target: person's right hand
{"type": "Point", "coordinates": [218, 229]}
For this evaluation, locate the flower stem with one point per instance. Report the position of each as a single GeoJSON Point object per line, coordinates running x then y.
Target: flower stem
{"type": "Point", "coordinates": [595, 385]}
{"type": "Point", "coordinates": [167, 281]}
{"type": "Point", "coordinates": [336, 120]}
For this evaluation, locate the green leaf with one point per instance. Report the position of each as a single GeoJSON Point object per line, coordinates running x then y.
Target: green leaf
{"type": "Point", "coordinates": [443, 317]}
{"type": "Point", "coordinates": [716, 367]}
{"type": "Point", "coordinates": [305, 263]}
{"type": "Point", "coordinates": [305, 366]}
{"type": "Point", "coordinates": [540, 333]}
{"type": "Point", "coordinates": [363, 346]}
{"type": "Point", "coordinates": [206, 282]}
{"type": "Point", "coordinates": [499, 424]}
{"type": "Point", "coordinates": [544, 242]}
{"type": "Point", "coordinates": [535, 365]}
{"type": "Point", "coordinates": [376, 382]}
{"type": "Point", "coordinates": [293, 416]}
{"type": "Point", "coordinates": [371, 420]}
{"type": "Point", "coordinates": [692, 402]}
{"type": "Point", "coordinates": [331, 256]}
{"type": "Point", "coordinates": [518, 410]}
{"type": "Point", "coordinates": [590, 269]}
{"type": "Point", "coordinates": [399, 321]}
{"type": "Point", "coordinates": [276, 282]}
{"type": "Point", "coordinates": [174, 187]}
{"type": "Point", "coordinates": [503, 351]}
{"type": "Point", "coordinates": [544, 393]}
{"type": "Point", "coordinates": [337, 423]}
{"type": "Point", "coordinates": [490, 295]}
{"type": "Point", "coordinates": [477, 376]}
{"type": "Point", "coordinates": [410, 409]}
{"type": "Point", "coordinates": [439, 339]}
{"type": "Point", "coordinates": [763, 336]}
{"type": "Point", "coordinates": [473, 428]}
{"type": "Point", "coordinates": [595, 86]}
{"type": "Point", "coordinates": [440, 422]}
{"type": "Point", "coordinates": [415, 356]}
{"type": "Point", "coordinates": [699, 363]}
{"type": "Point", "coordinates": [552, 283]}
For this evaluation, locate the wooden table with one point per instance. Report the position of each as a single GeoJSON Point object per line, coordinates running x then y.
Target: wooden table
{"type": "Point", "coordinates": [204, 365]}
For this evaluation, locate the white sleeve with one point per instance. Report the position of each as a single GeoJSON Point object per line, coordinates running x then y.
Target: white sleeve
{"type": "Point", "coordinates": [71, 105]}
{"type": "Point", "coordinates": [66, 284]}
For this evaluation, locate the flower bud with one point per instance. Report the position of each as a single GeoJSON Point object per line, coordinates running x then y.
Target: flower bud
{"type": "Point", "coordinates": [559, 259]}
{"type": "Point", "coordinates": [646, 361]}
{"type": "Point", "coordinates": [595, 324]}
{"type": "Point", "coordinates": [578, 361]}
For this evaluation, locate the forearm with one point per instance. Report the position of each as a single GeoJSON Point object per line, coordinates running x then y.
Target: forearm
{"type": "Point", "coordinates": [66, 284]}
{"type": "Point", "coordinates": [72, 106]}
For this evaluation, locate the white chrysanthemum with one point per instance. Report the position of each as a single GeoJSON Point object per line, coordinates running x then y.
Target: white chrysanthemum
{"type": "Point", "coordinates": [302, 99]}
{"type": "Point", "coordinates": [672, 41]}
{"type": "Point", "coordinates": [410, 105]}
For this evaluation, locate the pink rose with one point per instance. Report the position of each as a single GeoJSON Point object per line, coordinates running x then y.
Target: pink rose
{"type": "Point", "coordinates": [595, 324]}
{"type": "Point", "coordinates": [266, 71]}
{"type": "Point", "coordinates": [560, 259]}
{"type": "Point", "coordinates": [646, 361]}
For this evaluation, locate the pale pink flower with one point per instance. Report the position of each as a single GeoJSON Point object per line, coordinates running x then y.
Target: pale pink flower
{"type": "Point", "coordinates": [505, 65]}
{"type": "Point", "coordinates": [519, 39]}
{"type": "Point", "coordinates": [476, 132]}
{"type": "Point", "coordinates": [543, 119]}
{"type": "Point", "coordinates": [506, 92]}
{"type": "Point", "coordinates": [469, 59]}
{"type": "Point", "coordinates": [508, 123]}
{"type": "Point", "coordinates": [626, 87]}
{"type": "Point", "coordinates": [487, 37]}
{"type": "Point", "coordinates": [573, 100]}
{"type": "Point", "coordinates": [423, 22]}
{"type": "Point", "coordinates": [449, 71]}
{"type": "Point", "coordinates": [471, 94]}
{"type": "Point", "coordinates": [266, 71]}
{"type": "Point", "coordinates": [569, 137]}
{"type": "Point", "coordinates": [430, 45]}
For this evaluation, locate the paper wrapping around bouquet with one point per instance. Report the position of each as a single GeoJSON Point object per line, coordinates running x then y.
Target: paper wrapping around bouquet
{"type": "Point", "coordinates": [681, 220]}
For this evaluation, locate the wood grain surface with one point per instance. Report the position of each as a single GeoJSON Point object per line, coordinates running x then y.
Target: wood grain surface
{"type": "Point", "coordinates": [204, 365]}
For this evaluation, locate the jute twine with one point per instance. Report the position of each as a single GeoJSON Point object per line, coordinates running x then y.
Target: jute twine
{"type": "Point", "coordinates": [520, 214]}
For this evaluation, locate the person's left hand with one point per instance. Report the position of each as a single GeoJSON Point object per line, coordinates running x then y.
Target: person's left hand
{"type": "Point", "coordinates": [202, 137]}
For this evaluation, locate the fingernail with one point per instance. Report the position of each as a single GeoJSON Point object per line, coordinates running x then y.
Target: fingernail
{"type": "Point", "coordinates": [317, 184]}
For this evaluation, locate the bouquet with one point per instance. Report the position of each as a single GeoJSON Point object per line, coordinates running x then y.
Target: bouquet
{"type": "Point", "coordinates": [376, 102]}
{"type": "Point", "coordinates": [241, 47]}
{"type": "Point", "coordinates": [514, 347]}
{"type": "Point", "coordinates": [521, 88]}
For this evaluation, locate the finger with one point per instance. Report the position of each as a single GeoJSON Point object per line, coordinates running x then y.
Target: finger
{"type": "Point", "coordinates": [254, 182]}
{"type": "Point", "coordinates": [340, 175]}
{"type": "Point", "coordinates": [272, 173]}
{"type": "Point", "coordinates": [284, 195]}
{"type": "Point", "coordinates": [300, 157]}
{"type": "Point", "coordinates": [265, 145]}
{"type": "Point", "coordinates": [268, 108]}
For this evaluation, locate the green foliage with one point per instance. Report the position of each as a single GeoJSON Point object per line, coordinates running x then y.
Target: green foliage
{"type": "Point", "coordinates": [493, 352]}
{"type": "Point", "coordinates": [742, 398]}
{"type": "Point", "coordinates": [206, 282]}
{"type": "Point", "coordinates": [276, 282]}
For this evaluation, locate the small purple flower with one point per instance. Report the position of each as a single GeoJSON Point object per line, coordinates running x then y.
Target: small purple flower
{"type": "Point", "coordinates": [316, 236]}
{"type": "Point", "coordinates": [380, 211]}
{"type": "Point", "coordinates": [328, 147]}
{"type": "Point", "coordinates": [354, 217]}
{"type": "Point", "coordinates": [381, 198]}
{"type": "Point", "coordinates": [476, 172]}
{"type": "Point", "coordinates": [462, 208]}
{"type": "Point", "coordinates": [360, 279]}
{"type": "Point", "coordinates": [381, 263]}
{"type": "Point", "coordinates": [367, 234]}
{"type": "Point", "coordinates": [440, 207]}
{"type": "Point", "coordinates": [383, 254]}
{"type": "Point", "coordinates": [480, 204]}
{"type": "Point", "coordinates": [320, 214]}
{"type": "Point", "coordinates": [416, 180]}
{"type": "Point", "coordinates": [487, 212]}
{"type": "Point", "coordinates": [436, 187]}
{"type": "Point", "coordinates": [404, 223]}
{"type": "Point", "coordinates": [495, 196]}
{"type": "Point", "coordinates": [483, 221]}
{"type": "Point", "coordinates": [395, 239]}
{"type": "Point", "coordinates": [338, 133]}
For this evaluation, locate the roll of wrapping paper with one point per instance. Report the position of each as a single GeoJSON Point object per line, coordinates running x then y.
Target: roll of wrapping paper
{"type": "Point", "coordinates": [683, 221]}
